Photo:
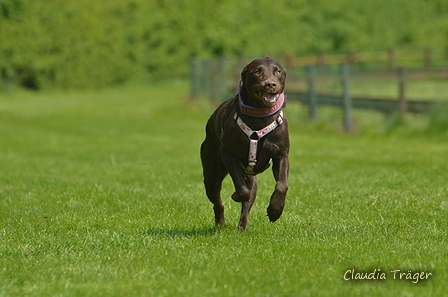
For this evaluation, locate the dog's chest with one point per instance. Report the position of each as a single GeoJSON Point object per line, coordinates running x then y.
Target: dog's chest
{"type": "Point", "coordinates": [240, 144]}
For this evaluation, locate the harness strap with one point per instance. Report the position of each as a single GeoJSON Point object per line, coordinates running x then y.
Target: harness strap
{"type": "Point", "coordinates": [254, 136]}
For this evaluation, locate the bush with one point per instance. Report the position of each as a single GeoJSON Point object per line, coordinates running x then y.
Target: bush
{"type": "Point", "coordinates": [438, 118]}
{"type": "Point", "coordinates": [91, 44]}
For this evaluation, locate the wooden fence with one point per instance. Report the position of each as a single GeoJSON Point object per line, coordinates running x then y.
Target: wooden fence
{"type": "Point", "coordinates": [219, 79]}
{"type": "Point", "coordinates": [400, 105]}
{"type": "Point", "coordinates": [381, 105]}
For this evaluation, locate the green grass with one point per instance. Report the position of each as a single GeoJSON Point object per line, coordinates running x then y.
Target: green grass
{"type": "Point", "coordinates": [101, 195]}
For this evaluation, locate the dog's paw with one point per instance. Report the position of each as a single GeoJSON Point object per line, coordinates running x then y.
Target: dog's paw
{"type": "Point", "coordinates": [237, 198]}
{"type": "Point", "coordinates": [242, 225]}
{"type": "Point", "coordinates": [220, 221]}
{"type": "Point", "coordinates": [274, 212]}
{"type": "Point", "coordinates": [219, 214]}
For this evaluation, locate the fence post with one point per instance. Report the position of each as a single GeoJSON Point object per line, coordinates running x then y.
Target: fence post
{"type": "Point", "coordinates": [204, 77]}
{"type": "Point", "coordinates": [217, 72]}
{"type": "Point", "coordinates": [347, 100]}
{"type": "Point", "coordinates": [214, 83]}
{"type": "Point", "coordinates": [194, 79]}
{"type": "Point", "coordinates": [322, 61]}
{"type": "Point", "coordinates": [237, 74]}
{"type": "Point", "coordinates": [222, 62]}
{"type": "Point", "coordinates": [312, 93]}
{"type": "Point", "coordinates": [403, 105]}
{"type": "Point", "coordinates": [352, 58]}
{"type": "Point", "coordinates": [289, 61]}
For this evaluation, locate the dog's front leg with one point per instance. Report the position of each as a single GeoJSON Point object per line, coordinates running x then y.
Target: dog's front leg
{"type": "Point", "coordinates": [280, 169]}
{"type": "Point", "coordinates": [242, 192]}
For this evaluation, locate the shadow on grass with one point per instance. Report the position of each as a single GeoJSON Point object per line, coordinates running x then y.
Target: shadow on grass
{"type": "Point", "coordinates": [180, 232]}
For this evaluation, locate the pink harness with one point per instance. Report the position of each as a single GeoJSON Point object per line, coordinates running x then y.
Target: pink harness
{"type": "Point", "coordinates": [254, 136]}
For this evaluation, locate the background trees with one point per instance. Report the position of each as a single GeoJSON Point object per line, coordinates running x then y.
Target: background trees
{"type": "Point", "coordinates": [85, 44]}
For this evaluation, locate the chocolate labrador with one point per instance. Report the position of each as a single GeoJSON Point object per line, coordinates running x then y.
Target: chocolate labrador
{"type": "Point", "coordinates": [243, 136]}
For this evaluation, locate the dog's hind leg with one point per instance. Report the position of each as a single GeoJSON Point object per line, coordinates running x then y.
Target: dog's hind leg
{"type": "Point", "coordinates": [252, 184]}
{"type": "Point", "coordinates": [213, 183]}
{"type": "Point", "coordinates": [214, 173]}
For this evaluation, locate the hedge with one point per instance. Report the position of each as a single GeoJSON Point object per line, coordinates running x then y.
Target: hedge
{"type": "Point", "coordinates": [92, 44]}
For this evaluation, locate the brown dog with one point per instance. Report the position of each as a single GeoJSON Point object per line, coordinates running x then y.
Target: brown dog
{"type": "Point", "coordinates": [243, 135]}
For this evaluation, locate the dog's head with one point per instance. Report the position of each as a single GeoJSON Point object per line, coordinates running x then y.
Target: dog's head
{"type": "Point", "coordinates": [264, 80]}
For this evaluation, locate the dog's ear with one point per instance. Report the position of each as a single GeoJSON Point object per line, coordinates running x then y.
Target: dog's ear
{"type": "Point", "coordinates": [267, 57]}
{"type": "Point", "coordinates": [243, 74]}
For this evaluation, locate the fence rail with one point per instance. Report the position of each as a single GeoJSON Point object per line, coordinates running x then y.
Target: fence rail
{"type": "Point", "coordinates": [346, 102]}
{"type": "Point", "coordinates": [378, 104]}
{"type": "Point", "coordinates": [215, 78]}
{"type": "Point", "coordinates": [392, 58]}
{"type": "Point", "coordinates": [218, 79]}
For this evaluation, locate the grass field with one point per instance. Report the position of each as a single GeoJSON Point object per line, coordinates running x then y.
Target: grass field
{"type": "Point", "coordinates": [101, 195]}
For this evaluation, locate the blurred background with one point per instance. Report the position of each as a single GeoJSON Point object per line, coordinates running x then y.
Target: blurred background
{"type": "Point", "coordinates": [48, 44]}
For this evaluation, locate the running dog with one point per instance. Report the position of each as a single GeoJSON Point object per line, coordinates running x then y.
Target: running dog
{"type": "Point", "coordinates": [243, 136]}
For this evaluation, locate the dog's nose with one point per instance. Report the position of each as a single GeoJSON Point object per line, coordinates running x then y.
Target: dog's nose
{"type": "Point", "coordinates": [270, 84]}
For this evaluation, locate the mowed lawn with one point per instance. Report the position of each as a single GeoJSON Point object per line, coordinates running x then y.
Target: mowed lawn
{"type": "Point", "coordinates": [101, 195]}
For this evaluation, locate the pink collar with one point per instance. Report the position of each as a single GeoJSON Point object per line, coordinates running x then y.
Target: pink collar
{"type": "Point", "coordinates": [261, 112]}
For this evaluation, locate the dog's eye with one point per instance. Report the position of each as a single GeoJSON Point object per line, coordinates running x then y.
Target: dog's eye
{"type": "Point", "coordinates": [257, 71]}
{"type": "Point", "coordinates": [278, 72]}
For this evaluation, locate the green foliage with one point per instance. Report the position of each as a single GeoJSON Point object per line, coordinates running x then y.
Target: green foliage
{"type": "Point", "coordinates": [438, 119]}
{"type": "Point", "coordinates": [87, 44]}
